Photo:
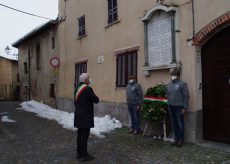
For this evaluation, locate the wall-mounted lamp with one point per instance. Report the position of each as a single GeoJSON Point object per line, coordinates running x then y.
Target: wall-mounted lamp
{"type": "Point", "coordinates": [7, 50]}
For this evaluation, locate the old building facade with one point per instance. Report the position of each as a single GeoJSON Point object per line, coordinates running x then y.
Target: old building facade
{"type": "Point", "coordinates": [37, 75]}
{"type": "Point", "coordinates": [9, 79]}
{"type": "Point", "coordinates": [111, 39]}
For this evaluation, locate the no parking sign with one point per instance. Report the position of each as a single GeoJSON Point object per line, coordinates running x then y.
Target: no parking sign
{"type": "Point", "coordinates": [55, 62]}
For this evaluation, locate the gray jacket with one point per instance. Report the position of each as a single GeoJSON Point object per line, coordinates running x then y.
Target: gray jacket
{"type": "Point", "coordinates": [178, 94]}
{"type": "Point", "coordinates": [134, 94]}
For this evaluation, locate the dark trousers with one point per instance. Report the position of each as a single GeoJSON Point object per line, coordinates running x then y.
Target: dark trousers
{"type": "Point", "coordinates": [82, 139]}
{"type": "Point", "coordinates": [135, 117]}
{"type": "Point", "coordinates": [177, 120]}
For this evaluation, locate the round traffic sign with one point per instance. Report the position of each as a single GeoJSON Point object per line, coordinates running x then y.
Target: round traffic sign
{"type": "Point", "coordinates": [54, 61]}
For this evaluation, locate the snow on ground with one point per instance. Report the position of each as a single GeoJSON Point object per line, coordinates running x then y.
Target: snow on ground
{"type": "Point", "coordinates": [6, 119]}
{"type": "Point", "coordinates": [102, 124]}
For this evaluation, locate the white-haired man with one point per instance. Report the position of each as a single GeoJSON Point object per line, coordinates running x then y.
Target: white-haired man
{"type": "Point", "coordinates": [84, 115]}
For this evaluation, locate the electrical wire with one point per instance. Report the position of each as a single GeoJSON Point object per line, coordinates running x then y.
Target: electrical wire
{"type": "Point", "coordinates": [24, 12]}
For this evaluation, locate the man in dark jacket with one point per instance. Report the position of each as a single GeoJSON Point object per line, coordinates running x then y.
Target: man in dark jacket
{"type": "Point", "coordinates": [178, 98]}
{"type": "Point", "coordinates": [134, 96]}
{"type": "Point", "coordinates": [84, 115]}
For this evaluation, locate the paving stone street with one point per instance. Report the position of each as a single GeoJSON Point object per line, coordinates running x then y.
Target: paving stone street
{"type": "Point", "coordinates": [34, 140]}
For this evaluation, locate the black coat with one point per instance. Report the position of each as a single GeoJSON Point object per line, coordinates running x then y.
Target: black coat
{"type": "Point", "coordinates": [84, 109]}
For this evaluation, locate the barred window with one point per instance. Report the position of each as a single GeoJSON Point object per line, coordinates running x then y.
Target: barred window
{"type": "Point", "coordinates": [112, 11]}
{"type": "Point", "coordinates": [79, 68]}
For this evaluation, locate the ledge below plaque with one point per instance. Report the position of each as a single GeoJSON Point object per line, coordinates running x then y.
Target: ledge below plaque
{"type": "Point", "coordinates": [146, 69]}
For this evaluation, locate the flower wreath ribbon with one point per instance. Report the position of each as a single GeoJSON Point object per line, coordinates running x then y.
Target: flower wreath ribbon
{"type": "Point", "coordinates": [153, 99]}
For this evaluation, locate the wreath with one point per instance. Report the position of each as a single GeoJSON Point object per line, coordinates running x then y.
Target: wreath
{"type": "Point", "coordinates": [155, 107]}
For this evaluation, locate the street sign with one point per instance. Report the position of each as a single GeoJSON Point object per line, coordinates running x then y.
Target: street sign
{"type": "Point", "coordinates": [55, 62]}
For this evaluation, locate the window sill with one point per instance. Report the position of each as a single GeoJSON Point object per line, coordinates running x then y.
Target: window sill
{"type": "Point", "coordinates": [149, 68]}
{"type": "Point", "coordinates": [112, 23]}
{"type": "Point", "coordinates": [146, 69]}
{"type": "Point", "coordinates": [80, 37]}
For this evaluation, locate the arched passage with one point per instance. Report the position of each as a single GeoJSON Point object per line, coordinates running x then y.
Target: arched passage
{"type": "Point", "coordinates": [211, 29]}
{"type": "Point", "coordinates": [215, 55]}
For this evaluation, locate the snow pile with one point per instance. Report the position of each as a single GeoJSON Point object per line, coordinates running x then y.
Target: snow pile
{"type": "Point", "coordinates": [102, 125]}
{"type": "Point", "coordinates": [6, 119]}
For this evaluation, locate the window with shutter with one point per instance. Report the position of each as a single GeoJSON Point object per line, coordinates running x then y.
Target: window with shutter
{"type": "Point", "coordinates": [126, 66]}
{"type": "Point", "coordinates": [81, 26]}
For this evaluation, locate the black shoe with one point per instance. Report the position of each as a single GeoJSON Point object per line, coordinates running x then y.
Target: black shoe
{"type": "Point", "coordinates": [174, 143]}
{"type": "Point", "coordinates": [179, 144]}
{"type": "Point", "coordinates": [78, 156]}
{"type": "Point", "coordinates": [87, 158]}
{"type": "Point", "coordinates": [130, 131]}
{"type": "Point", "coordinates": [136, 132]}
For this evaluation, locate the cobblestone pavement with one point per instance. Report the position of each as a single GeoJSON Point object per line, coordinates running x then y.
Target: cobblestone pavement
{"type": "Point", "coordinates": [33, 140]}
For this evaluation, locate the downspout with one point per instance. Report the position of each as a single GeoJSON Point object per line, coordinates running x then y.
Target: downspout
{"type": "Point", "coordinates": [29, 69]}
{"type": "Point", "coordinates": [193, 19]}
{"type": "Point", "coordinates": [146, 43]}
{"type": "Point", "coordinates": [173, 37]}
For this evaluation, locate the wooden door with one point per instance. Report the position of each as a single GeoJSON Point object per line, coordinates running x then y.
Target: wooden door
{"type": "Point", "coordinates": [216, 87]}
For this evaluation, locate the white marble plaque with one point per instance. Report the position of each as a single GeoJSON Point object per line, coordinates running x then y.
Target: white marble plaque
{"type": "Point", "coordinates": [159, 40]}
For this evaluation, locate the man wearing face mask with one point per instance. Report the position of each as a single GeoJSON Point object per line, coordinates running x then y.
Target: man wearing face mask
{"type": "Point", "coordinates": [178, 98]}
{"type": "Point", "coordinates": [134, 96]}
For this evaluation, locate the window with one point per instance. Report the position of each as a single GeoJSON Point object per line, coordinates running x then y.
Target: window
{"type": "Point", "coordinates": [126, 66]}
{"type": "Point", "coordinates": [18, 78]}
{"type": "Point", "coordinates": [52, 91]}
{"type": "Point", "coordinates": [79, 68]}
{"type": "Point", "coordinates": [25, 67]}
{"type": "Point", "coordinates": [112, 11]}
{"type": "Point", "coordinates": [53, 42]}
{"type": "Point", "coordinates": [26, 90]}
{"type": "Point", "coordinates": [38, 56]}
{"type": "Point", "coordinates": [81, 26]}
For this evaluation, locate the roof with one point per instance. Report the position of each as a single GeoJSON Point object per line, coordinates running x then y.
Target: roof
{"type": "Point", "coordinates": [10, 57]}
{"type": "Point", "coordinates": [34, 32]}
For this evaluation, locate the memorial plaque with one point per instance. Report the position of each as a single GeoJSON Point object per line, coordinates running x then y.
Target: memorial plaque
{"type": "Point", "coordinates": [159, 40]}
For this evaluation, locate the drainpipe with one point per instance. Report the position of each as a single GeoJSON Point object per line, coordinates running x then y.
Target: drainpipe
{"type": "Point", "coordinates": [173, 37]}
{"type": "Point", "coordinates": [146, 43]}
{"type": "Point", "coordinates": [193, 19]}
{"type": "Point", "coordinates": [29, 68]}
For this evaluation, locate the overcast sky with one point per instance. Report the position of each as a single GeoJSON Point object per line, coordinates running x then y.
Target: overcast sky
{"type": "Point", "coordinates": [15, 25]}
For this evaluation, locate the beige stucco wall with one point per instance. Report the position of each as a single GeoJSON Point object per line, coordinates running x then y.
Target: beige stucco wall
{"type": "Point", "coordinates": [8, 78]}
{"type": "Point", "coordinates": [103, 40]}
{"type": "Point", "coordinates": [5, 71]}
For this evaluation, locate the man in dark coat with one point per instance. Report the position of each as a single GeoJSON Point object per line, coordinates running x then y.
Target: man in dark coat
{"type": "Point", "coordinates": [178, 101]}
{"type": "Point", "coordinates": [134, 96]}
{"type": "Point", "coordinates": [84, 115]}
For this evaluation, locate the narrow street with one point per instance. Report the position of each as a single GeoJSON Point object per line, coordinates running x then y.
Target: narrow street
{"type": "Point", "coordinates": [32, 139]}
